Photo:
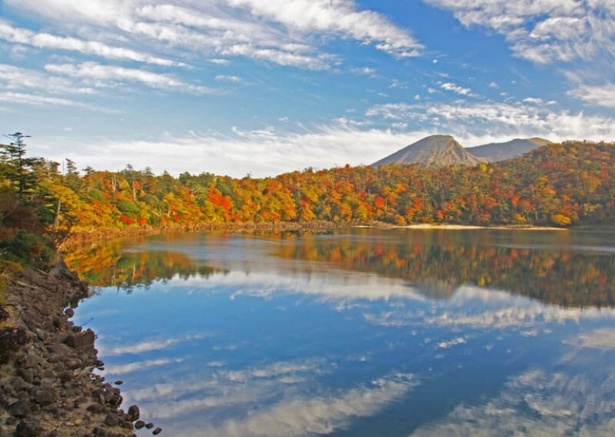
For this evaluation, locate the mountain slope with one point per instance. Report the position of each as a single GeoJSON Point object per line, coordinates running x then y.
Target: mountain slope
{"type": "Point", "coordinates": [494, 152]}
{"type": "Point", "coordinates": [434, 150]}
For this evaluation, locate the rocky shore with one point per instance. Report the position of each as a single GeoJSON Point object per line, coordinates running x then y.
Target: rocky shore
{"type": "Point", "coordinates": [47, 382]}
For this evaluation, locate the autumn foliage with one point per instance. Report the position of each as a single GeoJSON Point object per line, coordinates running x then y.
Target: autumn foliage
{"type": "Point", "coordinates": [557, 185]}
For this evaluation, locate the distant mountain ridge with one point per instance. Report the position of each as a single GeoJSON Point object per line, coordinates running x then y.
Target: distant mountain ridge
{"type": "Point", "coordinates": [432, 150]}
{"type": "Point", "coordinates": [442, 150]}
{"type": "Point", "coordinates": [495, 152]}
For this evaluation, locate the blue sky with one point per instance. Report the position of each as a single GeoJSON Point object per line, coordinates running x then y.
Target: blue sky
{"type": "Point", "coordinates": [263, 87]}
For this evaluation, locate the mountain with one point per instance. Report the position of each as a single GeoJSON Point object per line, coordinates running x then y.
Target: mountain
{"type": "Point", "coordinates": [494, 152]}
{"type": "Point", "coordinates": [433, 150]}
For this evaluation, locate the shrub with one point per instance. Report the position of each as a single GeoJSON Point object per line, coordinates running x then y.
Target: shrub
{"type": "Point", "coordinates": [29, 249]}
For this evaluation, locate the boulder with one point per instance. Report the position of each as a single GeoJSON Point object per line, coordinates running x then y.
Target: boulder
{"type": "Point", "coordinates": [80, 340]}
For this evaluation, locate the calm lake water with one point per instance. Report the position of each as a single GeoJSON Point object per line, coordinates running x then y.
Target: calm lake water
{"type": "Point", "coordinates": [361, 332]}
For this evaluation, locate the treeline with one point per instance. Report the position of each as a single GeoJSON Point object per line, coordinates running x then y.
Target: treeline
{"type": "Point", "coordinates": [561, 184]}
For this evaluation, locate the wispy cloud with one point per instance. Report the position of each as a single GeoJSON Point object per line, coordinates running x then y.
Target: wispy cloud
{"type": "Point", "coordinates": [268, 151]}
{"type": "Point", "coordinates": [500, 310]}
{"type": "Point", "coordinates": [15, 78]}
{"type": "Point", "coordinates": [457, 89]}
{"type": "Point", "coordinates": [600, 95]}
{"type": "Point", "coordinates": [265, 152]}
{"type": "Point", "coordinates": [43, 40]}
{"type": "Point", "coordinates": [336, 17]}
{"type": "Point", "coordinates": [319, 415]}
{"type": "Point", "coordinates": [104, 75]}
{"type": "Point", "coordinates": [474, 123]}
{"type": "Point", "coordinates": [226, 78]}
{"type": "Point", "coordinates": [603, 339]}
{"type": "Point", "coordinates": [285, 409]}
{"type": "Point", "coordinates": [545, 31]}
{"type": "Point", "coordinates": [569, 401]}
{"type": "Point", "coordinates": [283, 32]}
{"type": "Point", "coordinates": [122, 369]}
{"type": "Point", "coordinates": [146, 345]}
{"type": "Point", "coordinates": [37, 100]}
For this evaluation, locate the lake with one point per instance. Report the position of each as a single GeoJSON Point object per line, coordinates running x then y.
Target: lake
{"type": "Point", "coordinates": [360, 332]}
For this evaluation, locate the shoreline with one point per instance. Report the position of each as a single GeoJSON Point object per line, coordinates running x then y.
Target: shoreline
{"type": "Point", "coordinates": [91, 237]}
{"type": "Point", "coordinates": [502, 227]}
{"type": "Point", "coordinates": [48, 386]}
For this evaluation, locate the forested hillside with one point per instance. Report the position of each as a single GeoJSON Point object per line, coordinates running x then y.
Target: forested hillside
{"type": "Point", "coordinates": [560, 184]}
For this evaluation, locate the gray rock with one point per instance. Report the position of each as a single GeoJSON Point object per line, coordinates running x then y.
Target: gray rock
{"type": "Point", "coordinates": [20, 409]}
{"type": "Point", "coordinates": [112, 419]}
{"type": "Point", "coordinates": [133, 413]}
{"type": "Point", "coordinates": [45, 396]}
{"type": "Point", "coordinates": [96, 408]}
{"type": "Point", "coordinates": [81, 340]}
{"type": "Point", "coordinates": [27, 428]}
{"type": "Point", "coordinates": [27, 374]}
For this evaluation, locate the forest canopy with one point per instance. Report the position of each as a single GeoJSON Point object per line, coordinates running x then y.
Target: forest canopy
{"type": "Point", "coordinates": [566, 184]}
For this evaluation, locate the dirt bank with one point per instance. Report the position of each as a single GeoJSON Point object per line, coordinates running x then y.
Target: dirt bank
{"type": "Point", "coordinates": [47, 384]}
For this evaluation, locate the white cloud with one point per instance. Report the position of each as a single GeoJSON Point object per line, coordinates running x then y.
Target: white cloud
{"type": "Point", "coordinates": [226, 78]}
{"type": "Point", "coordinates": [341, 17]}
{"type": "Point", "coordinates": [292, 414]}
{"type": "Point", "coordinates": [15, 78]}
{"type": "Point", "coordinates": [499, 310]}
{"type": "Point", "coordinates": [319, 415]}
{"type": "Point", "coordinates": [600, 95]}
{"type": "Point", "coordinates": [325, 285]}
{"type": "Point", "coordinates": [145, 346]}
{"type": "Point", "coordinates": [269, 152]}
{"type": "Point", "coordinates": [36, 100]}
{"type": "Point", "coordinates": [96, 48]}
{"type": "Point", "coordinates": [544, 31]}
{"type": "Point", "coordinates": [122, 369]}
{"type": "Point", "coordinates": [259, 152]}
{"type": "Point", "coordinates": [543, 403]}
{"type": "Point", "coordinates": [449, 86]}
{"type": "Point", "coordinates": [283, 32]}
{"type": "Point", "coordinates": [367, 71]}
{"type": "Point", "coordinates": [479, 123]}
{"type": "Point", "coordinates": [106, 74]}
{"type": "Point", "coordinates": [603, 339]}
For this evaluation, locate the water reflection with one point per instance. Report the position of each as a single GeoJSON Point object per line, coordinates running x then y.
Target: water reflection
{"type": "Point", "coordinates": [362, 334]}
{"type": "Point", "coordinates": [551, 267]}
{"type": "Point", "coordinates": [113, 264]}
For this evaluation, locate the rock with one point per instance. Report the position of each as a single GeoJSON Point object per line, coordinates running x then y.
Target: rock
{"type": "Point", "coordinates": [133, 413]}
{"type": "Point", "coordinates": [50, 383]}
{"type": "Point", "coordinates": [20, 409]}
{"type": "Point", "coordinates": [45, 396]}
{"type": "Point", "coordinates": [27, 428]}
{"type": "Point", "coordinates": [119, 382]}
{"type": "Point", "coordinates": [66, 376]}
{"type": "Point", "coordinates": [96, 408]}
{"type": "Point", "coordinates": [99, 432]}
{"type": "Point", "coordinates": [40, 334]}
{"type": "Point", "coordinates": [149, 425]}
{"type": "Point", "coordinates": [80, 340]}
{"type": "Point", "coordinates": [30, 360]}
{"type": "Point", "coordinates": [139, 424]}
{"type": "Point", "coordinates": [112, 419]}
{"type": "Point", "coordinates": [157, 431]}
{"type": "Point", "coordinates": [27, 375]}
